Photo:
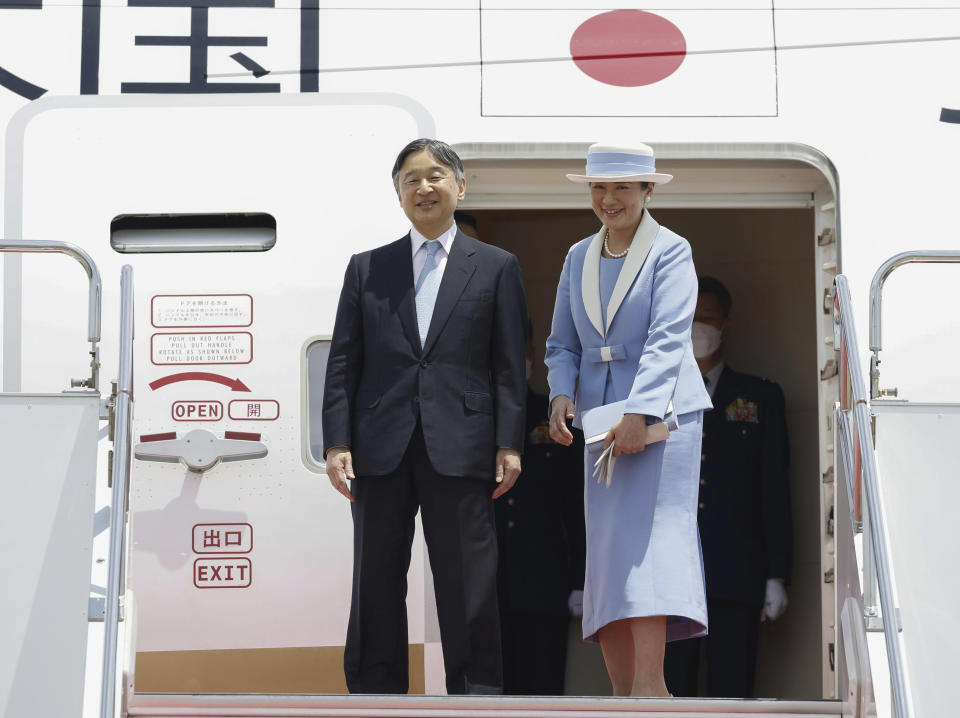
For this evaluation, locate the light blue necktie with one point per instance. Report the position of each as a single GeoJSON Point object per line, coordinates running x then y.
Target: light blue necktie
{"type": "Point", "coordinates": [426, 290]}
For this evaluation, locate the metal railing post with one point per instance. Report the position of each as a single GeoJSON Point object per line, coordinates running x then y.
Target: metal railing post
{"type": "Point", "coordinates": [120, 479]}
{"type": "Point", "coordinates": [871, 609]}
{"type": "Point", "coordinates": [93, 295]}
{"type": "Point", "coordinates": [877, 548]}
{"type": "Point", "coordinates": [939, 256]}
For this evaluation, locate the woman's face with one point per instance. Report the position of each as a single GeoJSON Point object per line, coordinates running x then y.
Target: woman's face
{"type": "Point", "coordinates": [619, 205]}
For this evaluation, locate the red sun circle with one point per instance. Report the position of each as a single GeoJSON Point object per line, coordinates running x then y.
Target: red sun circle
{"type": "Point", "coordinates": [628, 48]}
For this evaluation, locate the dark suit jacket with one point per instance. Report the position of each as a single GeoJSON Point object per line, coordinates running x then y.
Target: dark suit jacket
{"type": "Point", "coordinates": [744, 516]}
{"type": "Point", "coordinates": [466, 384]}
{"type": "Point", "coordinates": [540, 527]}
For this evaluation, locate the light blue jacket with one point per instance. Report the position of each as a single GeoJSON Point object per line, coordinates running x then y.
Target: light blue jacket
{"type": "Point", "coordinates": [645, 344]}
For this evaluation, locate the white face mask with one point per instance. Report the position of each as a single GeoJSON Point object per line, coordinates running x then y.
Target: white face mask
{"type": "Point", "coordinates": [706, 339]}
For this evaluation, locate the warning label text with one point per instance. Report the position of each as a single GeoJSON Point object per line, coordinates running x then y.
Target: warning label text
{"type": "Point", "coordinates": [202, 348]}
{"type": "Point", "coordinates": [201, 310]}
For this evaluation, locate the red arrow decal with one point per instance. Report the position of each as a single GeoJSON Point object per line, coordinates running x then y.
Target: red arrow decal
{"type": "Point", "coordinates": [234, 384]}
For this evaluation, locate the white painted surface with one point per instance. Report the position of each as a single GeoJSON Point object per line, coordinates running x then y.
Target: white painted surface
{"type": "Point", "coordinates": [920, 485]}
{"type": "Point", "coordinates": [301, 555]}
{"type": "Point", "coordinates": [711, 79]}
{"type": "Point", "coordinates": [48, 444]}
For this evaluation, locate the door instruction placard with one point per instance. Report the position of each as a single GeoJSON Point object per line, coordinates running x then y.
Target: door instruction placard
{"type": "Point", "coordinates": [254, 409]}
{"type": "Point", "coordinates": [222, 571]}
{"type": "Point", "coordinates": [223, 538]}
{"type": "Point", "coordinates": [169, 311]}
{"type": "Point", "coordinates": [201, 348]}
{"type": "Point", "coordinates": [197, 410]}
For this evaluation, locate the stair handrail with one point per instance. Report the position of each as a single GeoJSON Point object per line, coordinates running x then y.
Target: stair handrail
{"type": "Point", "coordinates": [94, 293]}
{"type": "Point", "coordinates": [120, 479]}
{"type": "Point", "coordinates": [853, 399]}
{"type": "Point", "coordinates": [923, 256]}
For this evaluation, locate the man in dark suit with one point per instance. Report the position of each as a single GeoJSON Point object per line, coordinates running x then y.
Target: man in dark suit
{"type": "Point", "coordinates": [423, 408]}
{"type": "Point", "coordinates": [744, 512]}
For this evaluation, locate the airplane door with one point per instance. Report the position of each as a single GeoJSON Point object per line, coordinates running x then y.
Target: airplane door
{"type": "Point", "coordinates": [827, 259]}
{"type": "Point", "coordinates": [239, 219]}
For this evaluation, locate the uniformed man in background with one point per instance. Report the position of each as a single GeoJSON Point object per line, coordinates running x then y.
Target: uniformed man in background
{"type": "Point", "coordinates": [542, 547]}
{"type": "Point", "coordinates": [540, 532]}
{"type": "Point", "coordinates": [744, 512]}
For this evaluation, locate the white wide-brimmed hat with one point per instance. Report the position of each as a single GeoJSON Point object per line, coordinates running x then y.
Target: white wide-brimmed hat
{"type": "Point", "coordinates": [625, 164]}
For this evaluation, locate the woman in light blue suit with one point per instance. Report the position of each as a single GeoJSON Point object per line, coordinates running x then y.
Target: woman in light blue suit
{"type": "Point", "coordinates": [621, 331]}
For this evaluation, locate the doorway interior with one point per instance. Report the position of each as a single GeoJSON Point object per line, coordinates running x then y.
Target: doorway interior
{"type": "Point", "coordinates": [754, 227]}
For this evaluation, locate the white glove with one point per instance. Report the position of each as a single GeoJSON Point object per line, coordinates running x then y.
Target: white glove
{"type": "Point", "coordinates": [775, 602]}
{"type": "Point", "coordinates": [575, 603]}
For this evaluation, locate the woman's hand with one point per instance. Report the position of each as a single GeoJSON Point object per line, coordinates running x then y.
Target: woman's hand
{"type": "Point", "coordinates": [561, 409]}
{"type": "Point", "coordinates": [630, 434]}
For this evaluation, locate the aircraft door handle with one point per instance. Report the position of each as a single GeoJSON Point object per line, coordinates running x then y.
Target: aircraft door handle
{"type": "Point", "coordinates": [200, 450]}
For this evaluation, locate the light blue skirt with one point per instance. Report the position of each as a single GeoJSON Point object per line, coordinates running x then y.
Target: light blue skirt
{"type": "Point", "coordinates": [643, 546]}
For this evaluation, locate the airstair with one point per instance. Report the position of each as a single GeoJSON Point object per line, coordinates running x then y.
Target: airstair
{"type": "Point", "coordinates": [894, 650]}
{"type": "Point", "coordinates": [49, 458]}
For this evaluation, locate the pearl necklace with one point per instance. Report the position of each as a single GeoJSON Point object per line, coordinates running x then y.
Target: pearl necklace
{"type": "Point", "coordinates": [606, 247]}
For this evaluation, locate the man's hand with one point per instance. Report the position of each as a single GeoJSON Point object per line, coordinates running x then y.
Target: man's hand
{"type": "Point", "coordinates": [630, 434]}
{"type": "Point", "coordinates": [561, 409]}
{"type": "Point", "coordinates": [339, 469]}
{"type": "Point", "coordinates": [775, 602]}
{"type": "Point", "coordinates": [508, 469]}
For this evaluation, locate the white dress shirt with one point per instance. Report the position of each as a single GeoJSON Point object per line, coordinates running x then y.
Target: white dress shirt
{"type": "Point", "coordinates": [417, 242]}
{"type": "Point", "coordinates": [712, 377]}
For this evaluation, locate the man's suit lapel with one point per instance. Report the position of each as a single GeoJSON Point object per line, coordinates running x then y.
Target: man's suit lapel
{"type": "Point", "coordinates": [460, 267]}
{"type": "Point", "coordinates": [401, 289]}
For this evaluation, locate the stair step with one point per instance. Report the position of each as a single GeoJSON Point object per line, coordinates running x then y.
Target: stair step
{"type": "Point", "coordinates": [275, 706]}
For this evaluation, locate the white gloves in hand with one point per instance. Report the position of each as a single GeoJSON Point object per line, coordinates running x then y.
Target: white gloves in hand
{"type": "Point", "coordinates": [775, 603]}
{"type": "Point", "coordinates": [575, 603]}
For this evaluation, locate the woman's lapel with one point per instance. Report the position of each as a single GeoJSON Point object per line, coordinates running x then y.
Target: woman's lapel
{"type": "Point", "coordinates": [639, 249]}
{"type": "Point", "coordinates": [590, 282]}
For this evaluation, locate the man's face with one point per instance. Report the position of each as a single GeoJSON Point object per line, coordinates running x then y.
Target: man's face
{"type": "Point", "coordinates": [710, 311]}
{"type": "Point", "coordinates": [429, 192]}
